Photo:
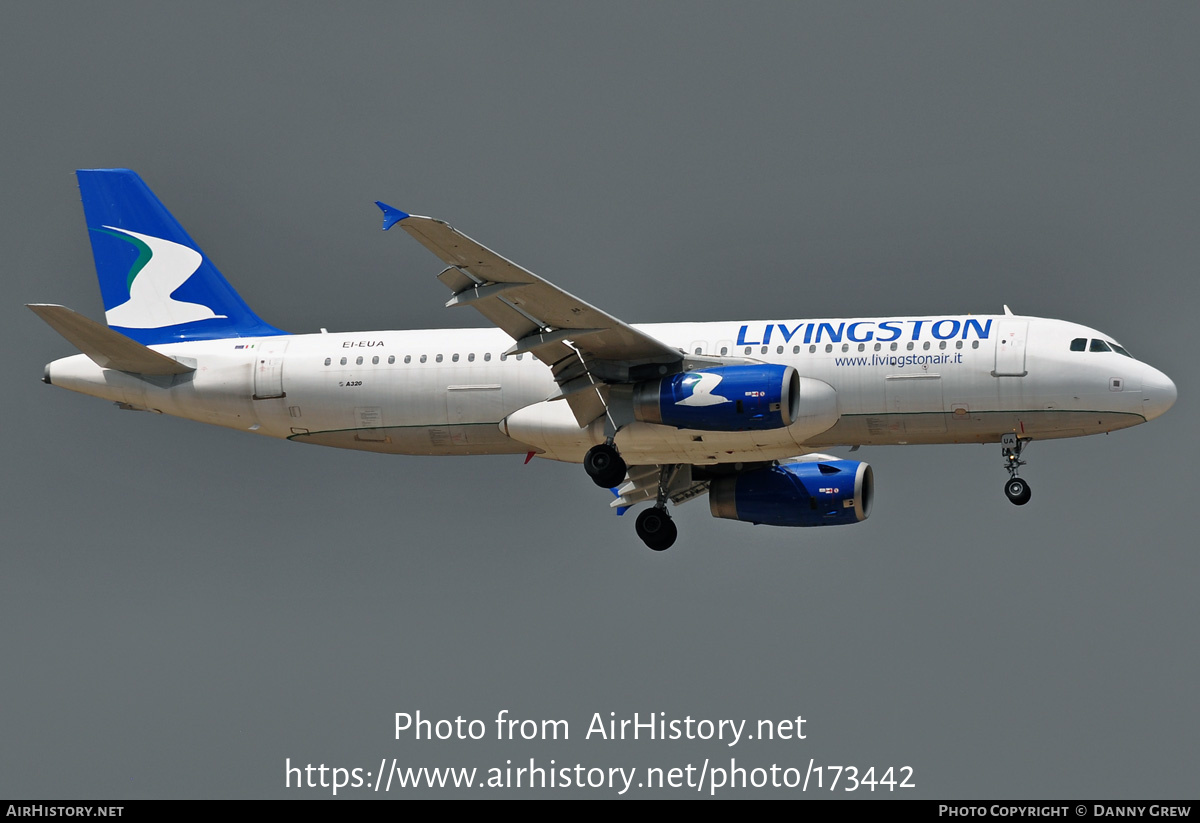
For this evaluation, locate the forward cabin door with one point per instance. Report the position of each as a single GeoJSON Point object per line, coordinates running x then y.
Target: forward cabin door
{"type": "Point", "coordinates": [1010, 348]}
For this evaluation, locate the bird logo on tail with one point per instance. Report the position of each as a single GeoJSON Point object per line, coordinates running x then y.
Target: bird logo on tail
{"type": "Point", "coordinates": [161, 268]}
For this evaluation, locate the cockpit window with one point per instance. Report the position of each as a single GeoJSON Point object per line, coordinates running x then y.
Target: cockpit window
{"type": "Point", "coordinates": [1099, 345]}
{"type": "Point", "coordinates": [1120, 350]}
{"type": "Point", "coordinates": [1079, 344]}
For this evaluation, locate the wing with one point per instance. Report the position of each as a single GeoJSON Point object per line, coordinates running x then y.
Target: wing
{"type": "Point", "coordinates": [684, 482]}
{"type": "Point", "coordinates": [641, 485]}
{"type": "Point", "coordinates": [584, 346]}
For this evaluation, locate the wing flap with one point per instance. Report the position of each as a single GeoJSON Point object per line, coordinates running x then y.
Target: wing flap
{"type": "Point", "coordinates": [642, 486]}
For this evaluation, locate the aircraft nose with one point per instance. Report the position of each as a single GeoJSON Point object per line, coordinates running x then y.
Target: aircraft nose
{"type": "Point", "coordinates": [1158, 393]}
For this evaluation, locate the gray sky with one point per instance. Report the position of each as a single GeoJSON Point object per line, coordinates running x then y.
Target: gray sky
{"type": "Point", "coordinates": [186, 607]}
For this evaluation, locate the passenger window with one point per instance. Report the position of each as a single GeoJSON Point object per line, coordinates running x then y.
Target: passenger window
{"type": "Point", "coordinates": [1079, 344]}
{"type": "Point", "coordinates": [358, 360]}
{"type": "Point", "coordinates": [391, 359]}
{"type": "Point", "coordinates": [910, 345]}
{"type": "Point", "coordinates": [424, 357]}
{"type": "Point", "coordinates": [487, 355]}
{"type": "Point", "coordinates": [828, 348]}
{"type": "Point", "coordinates": [454, 357]}
{"type": "Point", "coordinates": [343, 361]}
{"type": "Point", "coordinates": [878, 346]}
{"type": "Point", "coordinates": [795, 349]}
{"type": "Point", "coordinates": [925, 345]}
{"type": "Point", "coordinates": [375, 360]}
{"type": "Point", "coordinates": [697, 351]}
{"type": "Point", "coordinates": [974, 344]}
{"type": "Point", "coordinates": [942, 345]}
{"type": "Point", "coordinates": [503, 356]}
{"type": "Point", "coordinates": [845, 347]}
{"type": "Point", "coordinates": [779, 350]}
{"type": "Point", "coordinates": [1099, 345]}
{"type": "Point", "coordinates": [862, 346]}
{"type": "Point", "coordinates": [438, 358]}
{"type": "Point", "coordinates": [724, 350]}
{"type": "Point", "coordinates": [958, 344]}
{"type": "Point", "coordinates": [521, 356]}
{"type": "Point", "coordinates": [328, 360]}
{"type": "Point", "coordinates": [407, 359]}
{"type": "Point", "coordinates": [812, 349]}
{"type": "Point", "coordinates": [471, 357]}
{"type": "Point", "coordinates": [747, 350]}
{"type": "Point", "coordinates": [764, 350]}
{"type": "Point", "coordinates": [893, 347]}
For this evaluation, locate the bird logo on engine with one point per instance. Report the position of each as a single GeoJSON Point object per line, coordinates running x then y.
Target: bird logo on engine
{"type": "Point", "coordinates": [702, 385]}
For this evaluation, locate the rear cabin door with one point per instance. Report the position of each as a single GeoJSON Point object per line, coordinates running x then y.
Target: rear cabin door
{"type": "Point", "coordinates": [268, 368]}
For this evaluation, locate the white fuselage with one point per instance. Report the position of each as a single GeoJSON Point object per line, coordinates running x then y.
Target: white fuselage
{"type": "Point", "coordinates": [949, 379]}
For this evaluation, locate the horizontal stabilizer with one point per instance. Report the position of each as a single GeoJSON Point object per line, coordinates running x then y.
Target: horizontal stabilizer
{"type": "Point", "coordinates": [106, 348]}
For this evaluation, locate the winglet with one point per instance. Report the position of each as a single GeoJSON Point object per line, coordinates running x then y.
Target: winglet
{"type": "Point", "coordinates": [391, 215]}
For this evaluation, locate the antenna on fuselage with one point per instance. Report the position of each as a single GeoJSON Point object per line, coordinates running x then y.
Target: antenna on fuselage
{"type": "Point", "coordinates": [1007, 310]}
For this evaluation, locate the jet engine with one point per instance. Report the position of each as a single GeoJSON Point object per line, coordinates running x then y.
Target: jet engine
{"type": "Point", "coordinates": [724, 398]}
{"type": "Point", "coordinates": [809, 493]}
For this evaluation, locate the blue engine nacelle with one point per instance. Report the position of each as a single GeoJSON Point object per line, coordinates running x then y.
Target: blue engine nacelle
{"type": "Point", "coordinates": [817, 493]}
{"type": "Point", "coordinates": [722, 399]}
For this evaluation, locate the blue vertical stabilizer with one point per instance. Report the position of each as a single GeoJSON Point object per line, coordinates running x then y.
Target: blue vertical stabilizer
{"type": "Point", "coordinates": [158, 287]}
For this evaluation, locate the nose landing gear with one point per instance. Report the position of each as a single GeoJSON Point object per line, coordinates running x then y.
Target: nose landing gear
{"type": "Point", "coordinates": [1016, 489]}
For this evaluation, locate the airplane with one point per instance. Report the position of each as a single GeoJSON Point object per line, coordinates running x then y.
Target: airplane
{"type": "Point", "coordinates": [656, 413]}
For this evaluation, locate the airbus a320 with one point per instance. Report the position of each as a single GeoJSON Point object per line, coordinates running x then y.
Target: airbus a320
{"type": "Point", "coordinates": [657, 413]}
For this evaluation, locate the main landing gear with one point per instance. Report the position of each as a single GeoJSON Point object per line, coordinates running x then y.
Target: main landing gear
{"type": "Point", "coordinates": [604, 465]}
{"type": "Point", "coordinates": [654, 526]}
{"type": "Point", "coordinates": [656, 529]}
{"type": "Point", "coordinates": [1016, 489]}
